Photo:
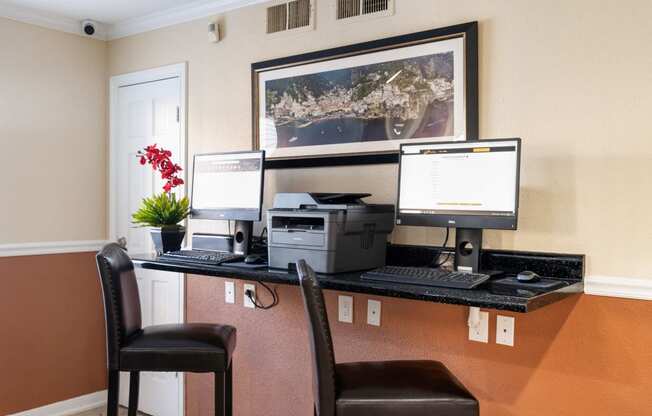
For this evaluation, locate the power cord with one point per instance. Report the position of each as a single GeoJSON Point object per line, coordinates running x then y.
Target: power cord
{"type": "Point", "coordinates": [252, 297]}
{"type": "Point", "coordinates": [259, 245]}
{"type": "Point", "coordinates": [443, 246]}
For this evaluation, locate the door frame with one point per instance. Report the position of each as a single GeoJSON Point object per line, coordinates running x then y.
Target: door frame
{"type": "Point", "coordinates": [179, 70]}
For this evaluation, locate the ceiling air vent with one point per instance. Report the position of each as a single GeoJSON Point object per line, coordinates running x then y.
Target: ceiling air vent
{"type": "Point", "coordinates": [291, 15]}
{"type": "Point", "coordinates": [347, 9]}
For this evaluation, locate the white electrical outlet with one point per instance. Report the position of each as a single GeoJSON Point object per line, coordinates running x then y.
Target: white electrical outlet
{"type": "Point", "coordinates": [247, 302]}
{"type": "Point", "coordinates": [345, 309]}
{"type": "Point", "coordinates": [505, 330]}
{"type": "Point", "coordinates": [229, 292]}
{"type": "Point", "coordinates": [480, 331]}
{"type": "Point", "coordinates": [373, 312]}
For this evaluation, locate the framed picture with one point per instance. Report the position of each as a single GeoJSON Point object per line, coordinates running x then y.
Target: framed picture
{"type": "Point", "coordinates": [357, 104]}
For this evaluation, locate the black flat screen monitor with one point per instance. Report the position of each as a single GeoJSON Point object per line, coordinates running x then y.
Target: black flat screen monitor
{"type": "Point", "coordinates": [228, 186]}
{"type": "Point", "coordinates": [465, 184]}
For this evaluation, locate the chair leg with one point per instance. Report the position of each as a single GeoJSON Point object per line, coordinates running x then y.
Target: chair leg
{"type": "Point", "coordinates": [220, 379]}
{"type": "Point", "coordinates": [134, 387]}
{"type": "Point", "coordinates": [229, 391]}
{"type": "Point", "coordinates": [114, 391]}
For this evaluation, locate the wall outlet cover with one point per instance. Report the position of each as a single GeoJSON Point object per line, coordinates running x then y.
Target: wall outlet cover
{"type": "Point", "coordinates": [505, 330]}
{"type": "Point", "coordinates": [480, 332]}
{"type": "Point", "coordinates": [247, 302]}
{"type": "Point", "coordinates": [345, 309]}
{"type": "Point", "coordinates": [229, 292]}
{"type": "Point", "coordinates": [373, 312]}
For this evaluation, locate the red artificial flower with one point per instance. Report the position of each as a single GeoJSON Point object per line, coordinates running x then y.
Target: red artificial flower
{"type": "Point", "coordinates": [161, 162]}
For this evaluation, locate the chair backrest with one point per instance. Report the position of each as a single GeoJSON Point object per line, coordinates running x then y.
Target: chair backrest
{"type": "Point", "coordinates": [121, 301]}
{"type": "Point", "coordinates": [321, 343]}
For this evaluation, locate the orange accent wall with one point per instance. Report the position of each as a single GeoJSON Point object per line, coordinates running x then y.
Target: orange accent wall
{"type": "Point", "coordinates": [586, 355]}
{"type": "Point", "coordinates": [51, 330]}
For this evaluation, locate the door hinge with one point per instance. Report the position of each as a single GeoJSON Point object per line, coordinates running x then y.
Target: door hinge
{"type": "Point", "coordinates": [178, 114]}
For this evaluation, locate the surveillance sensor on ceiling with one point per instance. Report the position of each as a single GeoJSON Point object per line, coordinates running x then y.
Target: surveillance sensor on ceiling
{"type": "Point", "coordinates": [88, 27]}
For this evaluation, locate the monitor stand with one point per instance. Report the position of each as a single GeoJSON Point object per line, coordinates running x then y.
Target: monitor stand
{"type": "Point", "coordinates": [242, 237]}
{"type": "Point", "coordinates": [468, 246]}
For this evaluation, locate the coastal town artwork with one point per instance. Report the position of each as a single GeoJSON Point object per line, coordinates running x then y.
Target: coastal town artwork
{"type": "Point", "coordinates": [357, 104]}
{"type": "Point", "coordinates": [403, 99]}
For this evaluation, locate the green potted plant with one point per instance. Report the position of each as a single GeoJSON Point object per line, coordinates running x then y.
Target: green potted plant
{"type": "Point", "coordinates": [163, 212]}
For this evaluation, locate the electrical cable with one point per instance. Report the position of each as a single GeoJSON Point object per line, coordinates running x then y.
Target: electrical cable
{"type": "Point", "coordinates": [254, 299]}
{"type": "Point", "coordinates": [259, 244]}
{"type": "Point", "coordinates": [443, 246]}
{"type": "Point", "coordinates": [448, 255]}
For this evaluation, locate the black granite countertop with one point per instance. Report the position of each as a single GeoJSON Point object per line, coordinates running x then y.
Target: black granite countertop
{"type": "Point", "coordinates": [565, 268]}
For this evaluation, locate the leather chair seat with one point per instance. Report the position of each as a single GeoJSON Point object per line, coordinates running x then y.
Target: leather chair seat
{"type": "Point", "coordinates": [193, 347]}
{"type": "Point", "coordinates": [395, 388]}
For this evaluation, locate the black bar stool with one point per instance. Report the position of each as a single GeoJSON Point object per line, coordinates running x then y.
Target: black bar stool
{"type": "Point", "coordinates": [197, 348]}
{"type": "Point", "coordinates": [382, 388]}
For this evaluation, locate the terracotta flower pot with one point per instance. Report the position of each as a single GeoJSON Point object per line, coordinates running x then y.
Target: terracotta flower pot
{"type": "Point", "coordinates": [168, 238]}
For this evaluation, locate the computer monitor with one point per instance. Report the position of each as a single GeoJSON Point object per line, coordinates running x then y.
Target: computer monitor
{"type": "Point", "coordinates": [468, 185]}
{"type": "Point", "coordinates": [229, 186]}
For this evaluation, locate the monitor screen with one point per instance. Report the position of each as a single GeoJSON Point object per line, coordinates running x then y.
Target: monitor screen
{"type": "Point", "coordinates": [228, 186]}
{"type": "Point", "coordinates": [462, 184]}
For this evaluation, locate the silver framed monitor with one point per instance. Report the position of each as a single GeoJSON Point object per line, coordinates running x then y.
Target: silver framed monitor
{"type": "Point", "coordinates": [228, 186]}
{"type": "Point", "coordinates": [466, 184]}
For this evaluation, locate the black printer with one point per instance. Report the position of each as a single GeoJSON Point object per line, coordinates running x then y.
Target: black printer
{"type": "Point", "coordinates": [333, 232]}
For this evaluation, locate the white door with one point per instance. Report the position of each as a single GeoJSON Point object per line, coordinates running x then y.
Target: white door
{"type": "Point", "coordinates": [147, 113]}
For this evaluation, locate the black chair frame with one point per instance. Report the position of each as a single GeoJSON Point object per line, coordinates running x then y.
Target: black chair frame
{"type": "Point", "coordinates": [205, 348]}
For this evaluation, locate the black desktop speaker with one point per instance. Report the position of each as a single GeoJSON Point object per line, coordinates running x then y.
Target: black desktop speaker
{"type": "Point", "coordinates": [242, 237]}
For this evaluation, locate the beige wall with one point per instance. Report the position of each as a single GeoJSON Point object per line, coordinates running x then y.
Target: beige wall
{"type": "Point", "coordinates": [573, 79]}
{"type": "Point", "coordinates": [53, 108]}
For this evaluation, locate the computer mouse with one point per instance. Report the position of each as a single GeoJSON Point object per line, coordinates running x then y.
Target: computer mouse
{"type": "Point", "coordinates": [254, 259]}
{"type": "Point", "coordinates": [528, 277]}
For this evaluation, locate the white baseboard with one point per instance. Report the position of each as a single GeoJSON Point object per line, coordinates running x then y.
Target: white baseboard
{"type": "Point", "coordinates": [50, 247]}
{"type": "Point", "coordinates": [69, 407]}
{"type": "Point", "coordinates": [619, 287]}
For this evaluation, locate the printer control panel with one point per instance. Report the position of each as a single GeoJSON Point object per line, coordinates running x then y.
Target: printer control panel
{"type": "Point", "coordinates": [297, 223]}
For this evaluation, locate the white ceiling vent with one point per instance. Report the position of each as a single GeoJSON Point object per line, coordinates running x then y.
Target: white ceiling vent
{"type": "Point", "coordinates": [355, 9]}
{"type": "Point", "coordinates": [290, 16]}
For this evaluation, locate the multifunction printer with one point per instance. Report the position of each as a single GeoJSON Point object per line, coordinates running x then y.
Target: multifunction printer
{"type": "Point", "coordinates": [334, 233]}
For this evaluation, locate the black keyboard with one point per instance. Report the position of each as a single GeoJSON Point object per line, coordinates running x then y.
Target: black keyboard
{"type": "Point", "coordinates": [200, 257]}
{"type": "Point", "coordinates": [425, 277]}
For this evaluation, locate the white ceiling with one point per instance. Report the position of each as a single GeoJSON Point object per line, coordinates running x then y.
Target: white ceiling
{"type": "Point", "coordinates": [118, 18]}
{"type": "Point", "coordinates": [105, 11]}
